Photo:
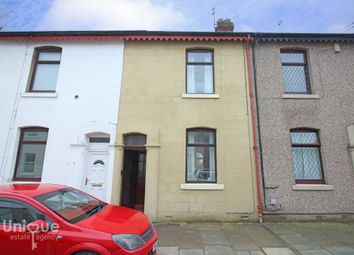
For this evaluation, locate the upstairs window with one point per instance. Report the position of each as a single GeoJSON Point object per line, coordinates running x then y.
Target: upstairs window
{"type": "Point", "coordinates": [45, 69]}
{"type": "Point", "coordinates": [30, 157]}
{"type": "Point", "coordinates": [200, 72]}
{"type": "Point", "coordinates": [201, 156]}
{"type": "Point", "coordinates": [306, 154]}
{"type": "Point", "coordinates": [295, 72]}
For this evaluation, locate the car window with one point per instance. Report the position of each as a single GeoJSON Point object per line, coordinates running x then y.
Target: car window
{"type": "Point", "coordinates": [17, 212]}
{"type": "Point", "coordinates": [71, 204]}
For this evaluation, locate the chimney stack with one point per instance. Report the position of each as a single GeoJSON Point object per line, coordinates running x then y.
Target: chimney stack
{"type": "Point", "coordinates": [224, 25]}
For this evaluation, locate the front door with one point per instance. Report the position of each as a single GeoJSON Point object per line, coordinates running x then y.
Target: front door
{"type": "Point", "coordinates": [95, 183]}
{"type": "Point", "coordinates": [133, 186]}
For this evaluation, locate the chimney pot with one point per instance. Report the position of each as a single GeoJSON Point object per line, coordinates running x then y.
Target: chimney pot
{"type": "Point", "coordinates": [224, 25]}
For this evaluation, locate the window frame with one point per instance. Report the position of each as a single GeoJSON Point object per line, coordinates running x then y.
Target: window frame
{"type": "Point", "coordinates": [304, 64]}
{"type": "Point", "coordinates": [200, 50]}
{"type": "Point", "coordinates": [20, 142]}
{"type": "Point", "coordinates": [318, 146]}
{"type": "Point", "coordinates": [202, 129]}
{"type": "Point", "coordinates": [35, 63]}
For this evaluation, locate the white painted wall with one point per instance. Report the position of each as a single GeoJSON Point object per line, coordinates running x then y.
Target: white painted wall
{"type": "Point", "coordinates": [90, 70]}
{"type": "Point", "coordinates": [12, 57]}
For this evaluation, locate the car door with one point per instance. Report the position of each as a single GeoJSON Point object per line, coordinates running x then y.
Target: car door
{"type": "Point", "coordinates": [15, 214]}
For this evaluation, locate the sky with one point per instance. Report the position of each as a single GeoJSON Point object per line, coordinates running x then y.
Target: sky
{"type": "Point", "coordinates": [295, 16]}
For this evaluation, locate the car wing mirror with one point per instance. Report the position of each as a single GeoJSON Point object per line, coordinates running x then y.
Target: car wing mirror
{"type": "Point", "coordinates": [38, 226]}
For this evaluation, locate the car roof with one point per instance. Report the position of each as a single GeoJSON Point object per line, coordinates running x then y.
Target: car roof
{"type": "Point", "coordinates": [30, 190]}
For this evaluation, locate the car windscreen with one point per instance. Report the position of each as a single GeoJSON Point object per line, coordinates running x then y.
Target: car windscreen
{"type": "Point", "coordinates": [71, 204]}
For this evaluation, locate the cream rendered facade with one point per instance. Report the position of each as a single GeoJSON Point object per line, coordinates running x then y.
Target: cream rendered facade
{"type": "Point", "coordinates": [154, 102]}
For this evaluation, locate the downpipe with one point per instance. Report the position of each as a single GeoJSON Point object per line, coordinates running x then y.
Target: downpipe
{"type": "Point", "coordinates": [254, 131]}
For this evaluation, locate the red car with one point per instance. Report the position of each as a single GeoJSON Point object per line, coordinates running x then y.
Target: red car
{"type": "Point", "coordinates": [54, 220]}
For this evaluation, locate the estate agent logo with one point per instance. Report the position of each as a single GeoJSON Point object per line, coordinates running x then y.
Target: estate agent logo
{"type": "Point", "coordinates": [35, 232]}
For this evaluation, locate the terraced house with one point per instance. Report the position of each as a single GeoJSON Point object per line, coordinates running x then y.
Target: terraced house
{"type": "Point", "coordinates": [184, 125]}
{"type": "Point", "coordinates": [58, 108]}
{"type": "Point", "coordinates": [305, 86]}
{"type": "Point", "coordinates": [185, 143]}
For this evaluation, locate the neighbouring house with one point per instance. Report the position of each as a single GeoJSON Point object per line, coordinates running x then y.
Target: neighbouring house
{"type": "Point", "coordinates": [184, 139]}
{"type": "Point", "coordinates": [305, 85]}
{"type": "Point", "coordinates": [183, 148]}
{"type": "Point", "coordinates": [165, 122]}
{"type": "Point", "coordinates": [59, 108]}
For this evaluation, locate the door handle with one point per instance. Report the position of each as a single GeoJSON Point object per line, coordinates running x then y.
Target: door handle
{"type": "Point", "coordinates": [86, 181]}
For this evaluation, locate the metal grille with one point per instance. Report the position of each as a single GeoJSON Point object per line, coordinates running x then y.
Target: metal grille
{"type": "Point", "coordinates": [148, 234]}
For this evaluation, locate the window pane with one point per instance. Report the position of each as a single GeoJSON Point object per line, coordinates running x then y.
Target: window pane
{"type": "Point", "coordinates": [49, 56]}
{"type": "Point", "coordinates": [200, 137]}
{"type": "Point", "coordinates": [198, 57]}
{"type": "Point", "coordinates": [45, 77]}
{"type": "Point", "coordinates": [294, 79]}
{"type": "Point", "coordinates": [135, 140]}
{"type": "Point", "coordinates": [304, 138]}
{"type": "Point", "coordinates": [69, 204]}
{"type": "Point", "coordinates": [99, 139]}
{"type": "Point", "coordinates": [15, 213]}
{"type": "Point", "coordinates": [35, 136]}
{"type": "Point", "coordinates": [201, 164]}
{"type": "Point", "coordinates": [292, 58]}
{"type": "Point", "coordinates": [306, 162]}
{"type": "Point", "coordinates": [31, 160]}
{"type": "Point", "coordinates": [200, 79]}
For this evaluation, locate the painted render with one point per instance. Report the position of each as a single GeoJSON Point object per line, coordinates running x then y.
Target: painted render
{"type": "Point", "coordinates": [153, 102]}
{"type": "Point", "coordinates": [90, 71]}
{"type": "Point", "coordinates": [329, 109]}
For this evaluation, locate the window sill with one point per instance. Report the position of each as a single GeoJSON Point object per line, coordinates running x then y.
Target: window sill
{"type": "Point", "coordinates": [40, 94]}
{"type": "Point", "coordinates": [202, 186]}
{"type": "Point", "coordinates": [300, 96]}
{"type": "Point", "coordinates": [24, 182]}
{"type": "Point", "coordinates": [201, 96]}
{"type": "Point", "coordinates": [309, 187]}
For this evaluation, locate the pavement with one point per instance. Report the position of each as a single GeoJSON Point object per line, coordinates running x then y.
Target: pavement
{"type": "Point", "coordinates": [313, 238]}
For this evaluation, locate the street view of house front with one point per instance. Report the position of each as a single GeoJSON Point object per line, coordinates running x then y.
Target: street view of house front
{"type": "Point", "coordinates": [305, 99]}
{"type": "Point", "coordinates": [184, 126]}
{"type": "Point", "coordinates": [184, 122]}
{"type": "Point", "coordinates": [59, 110]}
